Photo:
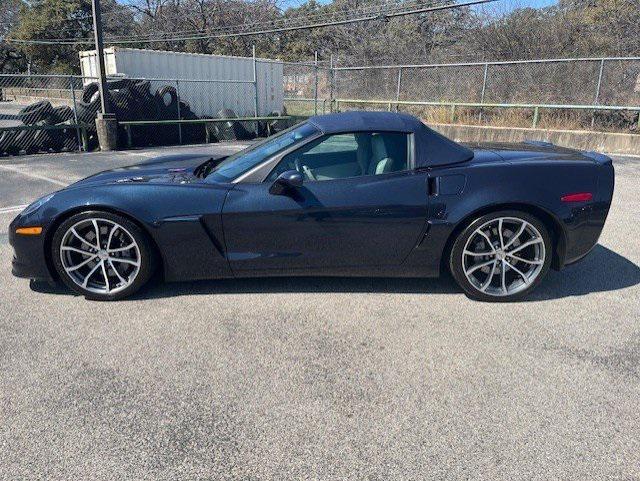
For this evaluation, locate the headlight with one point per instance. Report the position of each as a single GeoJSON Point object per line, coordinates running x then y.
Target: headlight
{"type": "Point", "coordinates": [31, 208]}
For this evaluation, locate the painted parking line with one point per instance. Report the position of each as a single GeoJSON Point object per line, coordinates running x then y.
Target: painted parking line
{"type": "Point", "coordinates": [33, 175]}
{"type": "Point", "coordinates": [13, 208]}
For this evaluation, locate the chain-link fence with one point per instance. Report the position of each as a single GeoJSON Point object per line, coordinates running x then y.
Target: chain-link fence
{"type": "Point", "coordinates": [179, 111]}
{"type": "Point", "coordinates": [42, 113]}
{"type": "Point", "coordinates": [597, 93]}
{"type": "Point", "coordinates": [37, 113]}
{"type": "Point", "coordinates": [307, 88]}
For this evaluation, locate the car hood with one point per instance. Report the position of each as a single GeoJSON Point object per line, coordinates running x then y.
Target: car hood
{"type": "Point", "coordinates": [173, 169]}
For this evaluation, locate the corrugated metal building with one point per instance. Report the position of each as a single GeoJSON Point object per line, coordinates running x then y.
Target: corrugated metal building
{"type": "Point", "coordinates": [207, 82]}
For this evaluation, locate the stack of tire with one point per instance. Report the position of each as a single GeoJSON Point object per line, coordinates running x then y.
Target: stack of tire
{"type": "Point", "coordinates": [30, 141]}
{"type": "Point", "coordinates": [277, 125]}
{"type": "Point", "coordinates": [238, 130]}
{"type": "Point", "coordinates": [230, 130]}
{"type": "Point", "coordinates": [134, 100]}
{"type": "Point", "coordinates": [170, 108]}
{"type": "Point", "coordinates": [131, 100]}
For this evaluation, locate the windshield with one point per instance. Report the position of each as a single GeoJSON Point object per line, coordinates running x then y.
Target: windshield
{"type": "Point", "coordinates": [245, 160]}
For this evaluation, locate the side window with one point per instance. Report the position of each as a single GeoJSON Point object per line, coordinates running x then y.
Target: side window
{"type": "Point", "coordinates": [348, 155]}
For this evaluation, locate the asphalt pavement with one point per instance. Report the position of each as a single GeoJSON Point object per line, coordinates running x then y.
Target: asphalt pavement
{"type": "Point", "coordinates": [9, 114]}
{"type": "Point", "coordinates": [324, 379]}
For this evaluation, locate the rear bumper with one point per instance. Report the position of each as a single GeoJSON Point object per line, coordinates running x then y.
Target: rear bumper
{"type": "Point", "coordinates": [586, 221]}
{"type": "Point", "coordinates": [28, 255]}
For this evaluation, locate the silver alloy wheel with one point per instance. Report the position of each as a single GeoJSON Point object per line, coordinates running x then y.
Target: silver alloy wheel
{"type": "Point", "coordinates": [503, 256]}
{"type": "Point", "coordinates": [100, 255]}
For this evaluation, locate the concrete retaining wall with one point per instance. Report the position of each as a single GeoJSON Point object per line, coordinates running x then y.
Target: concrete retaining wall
{"type": "Point", "coordinates": [26, 96]}
{"type": "Point", "coordinates": [605, 142]}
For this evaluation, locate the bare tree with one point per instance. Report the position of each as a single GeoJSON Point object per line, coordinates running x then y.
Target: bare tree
{"type": "Point", "coordinates": [10, 57]}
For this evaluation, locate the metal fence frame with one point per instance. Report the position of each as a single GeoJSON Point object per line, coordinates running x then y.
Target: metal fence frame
{"type": "Point", "coordinates": [394, 103]}
{"type": "Point", "coordinates": [326, 97]}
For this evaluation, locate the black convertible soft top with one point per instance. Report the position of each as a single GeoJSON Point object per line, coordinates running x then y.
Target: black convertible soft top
{"type": "Point", "coordinates": [432, 148]}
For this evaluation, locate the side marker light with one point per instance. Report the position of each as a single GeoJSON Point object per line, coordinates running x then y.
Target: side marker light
{"type": "Point", "coordinates": [29, 230]}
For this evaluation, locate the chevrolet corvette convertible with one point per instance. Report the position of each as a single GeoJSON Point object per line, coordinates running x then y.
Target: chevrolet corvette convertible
{"type": "Point", "coordinates": [346, 194]}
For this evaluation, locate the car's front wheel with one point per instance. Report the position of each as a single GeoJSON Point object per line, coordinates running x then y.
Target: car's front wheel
{"type": "Point", "coordinates": [501, 256]}
{"type": "Point", "coordinates": [101, 255]}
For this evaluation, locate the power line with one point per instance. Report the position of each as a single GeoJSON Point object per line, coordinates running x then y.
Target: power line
{"type": "Point", "coordinates": [366, 18]}
{"type": "Point", "coordinates": [271, 23]}
{"type": "Point", "coordinates": [135, 11]}
{"type": "Point", "coordinates": [275, 22]}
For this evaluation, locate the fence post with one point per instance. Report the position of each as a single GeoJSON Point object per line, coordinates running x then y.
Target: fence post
{"type": "Point", "coordinates": [331, 82]}
{"type": "Point", "coordinates": [398, 87]}
{"type": "Point", "coordinates": [255, 87]}
{"type": "Point", "coordinates": [81, 145]}
{"type": "Point", "coordinates": [596, 99]}
{"type": "Point", "coordinates": [453, 113]}
{"type": "Point", "coordinates": [178, 107]}
{"type": "Point", "coordinates": [315, 87]}
{"type": "Point", "coordinates": [535, 117]}
{"type": "Point", "coordinates": [484, 89]}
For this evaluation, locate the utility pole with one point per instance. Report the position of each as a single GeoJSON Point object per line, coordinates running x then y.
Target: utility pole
{"type": "Point", "coordinates": [102, 74]}
{"type": "Point", "coordinates": [106, 123]}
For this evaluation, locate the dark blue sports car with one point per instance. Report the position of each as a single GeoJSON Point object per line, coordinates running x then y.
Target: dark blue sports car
{"type": "Point", "coordinates": [348, 194]}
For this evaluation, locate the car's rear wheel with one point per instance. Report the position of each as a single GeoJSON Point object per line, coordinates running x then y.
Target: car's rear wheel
{"type": "Point", "coordinates": [101, 255]}
{"type": "Point", "coordinates": [501, 256]}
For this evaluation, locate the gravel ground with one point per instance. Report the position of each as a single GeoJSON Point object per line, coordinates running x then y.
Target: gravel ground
{"type": "Point", "coordinates": [321, 379]}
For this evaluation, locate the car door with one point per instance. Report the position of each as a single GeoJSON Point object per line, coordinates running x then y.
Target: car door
{"type": "Point", "coordinates": [361, 205]}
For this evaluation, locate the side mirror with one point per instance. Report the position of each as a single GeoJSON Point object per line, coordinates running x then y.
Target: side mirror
{"type": "Point", "coordinates": [291, 179]}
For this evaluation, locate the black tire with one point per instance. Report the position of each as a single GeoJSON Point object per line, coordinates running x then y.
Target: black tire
{"type": "Point", "coordinates": [230, 130]}
{"type": "Point", "coordinates": [60, 115]}
{"type": "Point", "coordinates": [68, 141]}
{"type": "Point", "coordinates": [7, 142]}
{"type": "Point", "coordinates": [122, 101]}
{"type": "Point", "coordinates": [170, 104]}
{"type": "Point", "coordinates": [185, 111]}
{"type": "Point", "coordinates": [263, 128]}
{"type": "Point", "coordinates": [57, 138]}
{"type": "Point", "coordinates": [45, 140]}
{"type": "Point", "coordinates": [25, 141]}
{"type": "Point", "coordinates": [148, 258]}
{"type": "Point", "coordinates": [213, 132]}
{"type": "Point", "coordinates": [278, 125]}
{"type": "Point", "coordinates": [87, 111]}
{"type": "Point", "coordinates": [117, 84]}
{"type": "Point", "coordinates": [34, 113]}
{"type": "Point", "coordinates": [456, 257]}
{"type": "Point", "coordinates": [225, 130]}
{"type": "Point", "coordinates": [88, 91]}
{"type": "Point", "coordinates": [141, 88]}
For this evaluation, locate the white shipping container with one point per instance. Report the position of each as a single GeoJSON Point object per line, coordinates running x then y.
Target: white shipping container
{"type": "Point", "coordinates": [191, 70]}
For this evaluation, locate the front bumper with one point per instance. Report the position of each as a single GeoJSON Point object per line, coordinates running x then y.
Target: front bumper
{"type": "Point", "coordinates": [28, 254]}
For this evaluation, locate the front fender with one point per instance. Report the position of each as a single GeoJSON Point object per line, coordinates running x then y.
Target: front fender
{"type": "Point", "coordinates": [183, 221]}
